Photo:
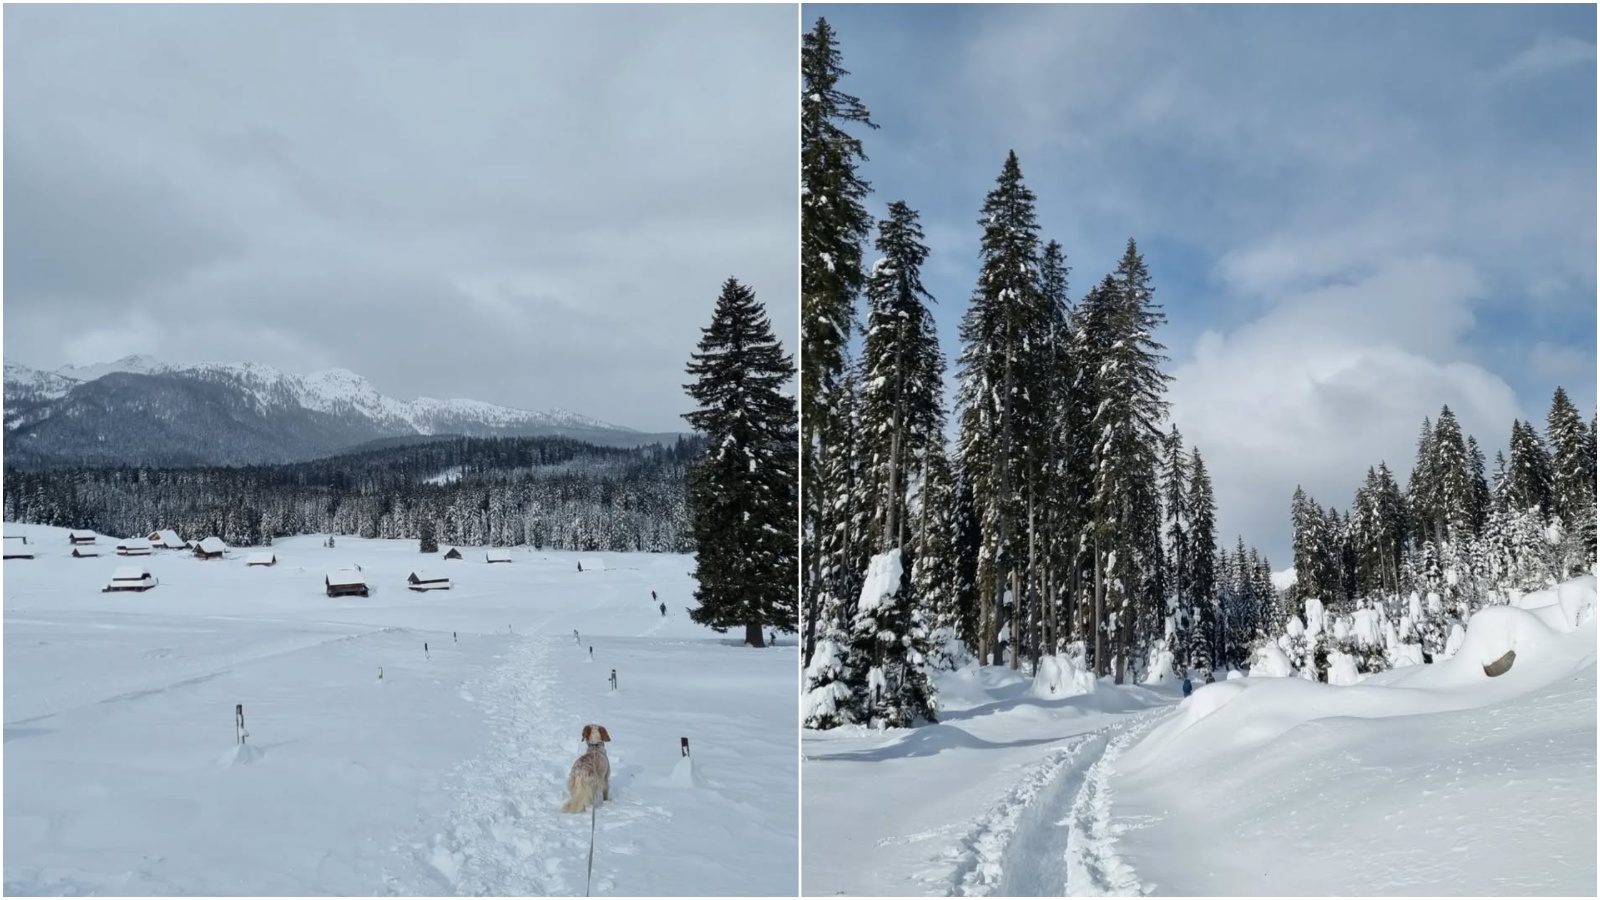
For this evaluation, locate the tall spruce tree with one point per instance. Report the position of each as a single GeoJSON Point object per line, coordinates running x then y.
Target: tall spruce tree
{"type": "Point", "coordinates": [1572, 488]}
{"type": "Point", "coordinates": [834, 226]}
{"type": "Point", "coordinates": [1530, 484]}
{"type": "Point", "coordinates": [1201, 582]}
{"type": "Point", "coordinates": [742, 494]}
{"type": "Point", "coordinates": [902, 411]}
{"type": "Point", "coordinates": [1452, 480]}
{"type": "Point", "coordinates": [993, 364]}
{"type": "Point", "coordinates": [1131, 388]}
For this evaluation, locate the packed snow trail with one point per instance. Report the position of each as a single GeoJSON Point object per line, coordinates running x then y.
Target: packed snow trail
{"type": "Point", "coordinates": [1051, 834]}
{"type": "Point", "coordinates": [1093, 866]}
{"type": "Point", "coordinates": [1021, 806]}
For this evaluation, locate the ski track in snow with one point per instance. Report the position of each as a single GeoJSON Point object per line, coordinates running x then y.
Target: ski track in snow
{"type": "Point", "coordinates": [1052, 833]}
{"type": "Point", "coordinates": [1093, 867]}
{"type": "Point", "coordinates": [508, 836]}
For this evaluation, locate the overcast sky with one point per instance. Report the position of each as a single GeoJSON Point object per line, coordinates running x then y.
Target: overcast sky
{"type": "Point", "coordinates": [1352, 214]}
{"type": "Point", "coordinates": [528, 205]}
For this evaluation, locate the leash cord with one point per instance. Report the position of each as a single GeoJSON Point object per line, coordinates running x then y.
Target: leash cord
{"type": "Point", "coordinates": [589, 880]}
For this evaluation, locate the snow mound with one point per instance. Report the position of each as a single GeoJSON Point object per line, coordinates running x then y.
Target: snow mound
{"type": "Point", "coordinates": [685, 775]}
{"type": "Point", "coordinates": [1492, 632]}
{"type": "Point", "coordinates": [1342, 669]}
{"type": "Point", "coordinates": [1161, 670]}
{"type": "Point", "coordinates": [1564, 607]}
{"type": "Point", "coordinates": [1271, 662]}
{"type": "Point", "coordinates": [239, 755]}
{"type": "Point", "coordinates": [1246, 715]}
{"type": "Point", "coordinates": [1061, 675]}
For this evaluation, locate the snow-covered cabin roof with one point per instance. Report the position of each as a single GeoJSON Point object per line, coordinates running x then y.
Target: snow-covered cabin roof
{"type": "Point", "coordinates": [15, 540]}
{"type": "Point", "coordinates": [84, 550]}
{"type": "Point", "coordinates": [420, 575]}
{"type": "Point", "coordinates": [212, 545]}
{"type": "Point", "coordinates": [346, 576]}
{"type": "Point", "coordinates": [130, 573]}
{"type": "Point", "coordinates": [261, 558]}
{"type": "Point", "coordinates": [498, 554]}
{"type": "Point", "coordinates": [592, 563]}
{"type": "Point", "coordinates": [166, 537]}
{"type": "Point", "coordinates": [81, 535]}
{"type": "Point", "coordinates": [136, 543]}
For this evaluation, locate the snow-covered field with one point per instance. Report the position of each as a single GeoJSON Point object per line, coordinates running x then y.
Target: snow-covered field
{"type": "Point", "coordinates": [1428, 780]}
{"type": "Point", "coordinates": [123, 776]}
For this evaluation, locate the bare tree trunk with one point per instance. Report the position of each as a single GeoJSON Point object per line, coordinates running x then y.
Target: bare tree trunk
{"type": "Point", "coordinates": [1100, 667]}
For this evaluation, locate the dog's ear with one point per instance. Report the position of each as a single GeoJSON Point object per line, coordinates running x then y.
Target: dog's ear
{"type": "Point", "coordinates": [604, 735]}
{"type": "Point", "coordinates": [586, 733]}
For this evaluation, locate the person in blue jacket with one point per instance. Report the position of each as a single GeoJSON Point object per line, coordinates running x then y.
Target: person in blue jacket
{"type": "Point", "coordinates": [1187, 686]}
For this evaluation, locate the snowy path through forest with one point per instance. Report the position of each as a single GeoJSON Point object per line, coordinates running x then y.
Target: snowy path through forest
{"type": "Point", "coordinates": [1008, 795]}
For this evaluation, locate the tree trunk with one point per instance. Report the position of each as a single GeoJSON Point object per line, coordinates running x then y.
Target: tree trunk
{"type": "Point", "coordinates": [753, 635]}
{"type": "Point", "coordinates": [1100, 667]}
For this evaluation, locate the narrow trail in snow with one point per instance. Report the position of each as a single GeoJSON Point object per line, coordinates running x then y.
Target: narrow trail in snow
{"type": "Point", "coordinates": [1051, 834]}
{"type": "Point", "coordinates": [507, 835]}
{"type": "Point", "coordinates": [1093, 866]}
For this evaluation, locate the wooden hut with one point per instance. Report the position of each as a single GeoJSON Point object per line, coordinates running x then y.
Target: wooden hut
{"type": "Point", "coordinates": [89, 551]}
{"type": "Point", "coordinates": [261, 558]}
{"type": "Point", "coordinates": [498, 554]}
{"type": "Point", "coordinates": [210, 548]}
{"type": "Point", "coordinates": [130, 578]}
{"type": "Point", "coordinates": [134, 547]}
{"type": "Point", "coordinates": [452, 553]}
{"type": "Point", "coordinates": [17, 548]}
{"type": "Point", "coordinates": [78, 538]}
{"type": "Point", "coordinates": [424, 581]}
{"type": "Point", "coordinates": [166, 539]}
{"type": "Point", "coordinates": [346, 582]}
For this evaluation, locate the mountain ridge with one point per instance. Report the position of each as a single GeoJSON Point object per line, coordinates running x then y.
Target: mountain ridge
{"type": "Point", "coordinates": [139, 410]}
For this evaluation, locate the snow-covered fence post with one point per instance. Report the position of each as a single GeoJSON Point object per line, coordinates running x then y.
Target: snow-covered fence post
{"type": "Point", "coordinates": [591, 652]}
{"type": "Point", "coordinates": [380, 673]}
{"type": "Point", "coordinates": [425, 650]}
{"type": "Point", "coordinates": [613, 679]}
{"type": "Point", "coordinates": [454, 639]}
{"type": "Point", "coordinates": [238, 723]}
{"type": "Point", "coordinates": [683, 746]}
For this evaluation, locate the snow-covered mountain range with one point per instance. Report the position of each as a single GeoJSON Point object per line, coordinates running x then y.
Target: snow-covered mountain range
{"type": "Point", "coordinates": [142, 410]}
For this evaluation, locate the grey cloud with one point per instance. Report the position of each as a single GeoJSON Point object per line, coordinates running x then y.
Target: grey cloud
{"type": "Point", "coordinates": [526, 205]}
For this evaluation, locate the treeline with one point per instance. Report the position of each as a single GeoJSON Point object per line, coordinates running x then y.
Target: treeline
{"type": "Point", "coordinates": [1459, 533]}
{"type": "Point", "coordinates": [1066, 514]}
{"type": "Point", "coordinates": [544, 492]}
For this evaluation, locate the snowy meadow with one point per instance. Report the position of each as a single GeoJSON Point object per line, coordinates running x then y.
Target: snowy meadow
{"type": "Point", "coordinates": [124, 774]}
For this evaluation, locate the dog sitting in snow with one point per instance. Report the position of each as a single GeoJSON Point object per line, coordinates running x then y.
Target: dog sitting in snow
{"type": "Point", "coordinates": [590, 779]}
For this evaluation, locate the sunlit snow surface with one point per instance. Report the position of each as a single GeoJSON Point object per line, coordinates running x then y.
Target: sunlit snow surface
{"type": "Point", "coordinates": [1426, 780]}
{"type": "Point", "coordinates": [123, 776]}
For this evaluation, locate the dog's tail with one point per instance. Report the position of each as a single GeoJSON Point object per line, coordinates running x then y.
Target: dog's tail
{"type": "Point", "coordinates": [582, 795]}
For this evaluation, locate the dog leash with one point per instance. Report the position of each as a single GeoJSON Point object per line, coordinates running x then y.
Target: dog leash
{"type": "Point", "coordinates": [590, 878]}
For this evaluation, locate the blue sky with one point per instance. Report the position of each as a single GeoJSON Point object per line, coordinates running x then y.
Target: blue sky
{"type": "Point", "coordinates": [1352, 214]}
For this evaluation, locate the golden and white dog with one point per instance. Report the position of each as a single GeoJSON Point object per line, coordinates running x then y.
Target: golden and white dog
{"type": "Point", "coordinates": [590, 779]}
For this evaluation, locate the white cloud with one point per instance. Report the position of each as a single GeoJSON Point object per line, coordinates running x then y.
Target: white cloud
{"type": "Point", "coordinates": [1548, 53]}
{"type": "Point", "coordinates": [1330, 381]}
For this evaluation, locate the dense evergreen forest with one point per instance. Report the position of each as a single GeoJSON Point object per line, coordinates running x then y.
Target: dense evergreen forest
{"type": "Point", "coordinates": [544, 492]}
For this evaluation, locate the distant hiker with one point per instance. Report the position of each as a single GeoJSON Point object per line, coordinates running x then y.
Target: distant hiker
{"type": "Point", "coordinates": [575, 639]}
{"type": "Point", "coordinates": [580, 565]}
{"type": "Point", "coordinates": [1187, 686]}
{"type": "Point", "coordinates": [663, 610]}
{"type": "Point", "coordinates": [1209, 679]}
{"type": "Point", "coordinates": [652, 595]}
